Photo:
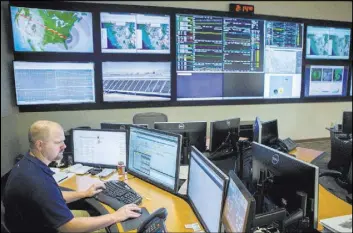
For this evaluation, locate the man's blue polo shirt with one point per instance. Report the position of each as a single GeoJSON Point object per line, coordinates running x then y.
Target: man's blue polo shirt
{"type": "Point", "coordinates": [33, 200]}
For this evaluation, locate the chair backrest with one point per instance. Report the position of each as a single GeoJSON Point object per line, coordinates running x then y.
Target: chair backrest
{"type": "Point", "coordinates": [3, 225]}
{"type": "Point", "coordinates": [341, 154]}
{"type": "Point", "coordinates": [149, 118]}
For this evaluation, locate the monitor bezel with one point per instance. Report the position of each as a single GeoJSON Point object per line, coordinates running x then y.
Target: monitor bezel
{"type": "Point", "coordinates": [266, 123]}
{"type": "Point", "coordinates": [56, 103]}
{"type": "Point", "coordinates": [347, 121]}
{"type": "Point", "coordinates": [218, 121]}
{"type": "Point", "coordinates": [147, 179]}
{"type": "Point", "coordinates": [94, 164]}
{"type": "Point", "coordinates": [178, 125]}
{"type": "Point", "coordinates": [328, 59]}
{"type": "Point", "coordinates": [302, 162]}
{"type": "Point", "coordinates": [122, 126]}
{"type": "Point", "coordinates": [327, 64]}
{"type": "Point", "coordinates": [250, 211]}
{"type": "Point", "coordinates": [219, 173]}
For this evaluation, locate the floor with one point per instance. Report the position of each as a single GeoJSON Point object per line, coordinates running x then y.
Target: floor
{"type": "Point", "coordinates": [322, 145]}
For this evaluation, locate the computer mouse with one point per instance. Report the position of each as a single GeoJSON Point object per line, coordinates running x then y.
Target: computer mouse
{"type": "Point", "coordinates": [138, 211]}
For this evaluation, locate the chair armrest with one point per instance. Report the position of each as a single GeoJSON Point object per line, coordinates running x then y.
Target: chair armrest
{"type": "Point", "coordinates": [333, 173]}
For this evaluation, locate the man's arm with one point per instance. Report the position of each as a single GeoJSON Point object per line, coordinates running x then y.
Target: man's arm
{"type": "Point", "coordinates": [89, 224]}
{"type": "Point", "coordinates": [71, 196]}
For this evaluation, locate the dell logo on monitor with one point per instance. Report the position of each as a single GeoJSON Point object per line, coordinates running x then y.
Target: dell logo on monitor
{"type": "Point", "coordinates": [275, 159]}
{"type": "Point", "coordinates": [228, 123]}
{"type": "Point", "coordinates": [181, 126]}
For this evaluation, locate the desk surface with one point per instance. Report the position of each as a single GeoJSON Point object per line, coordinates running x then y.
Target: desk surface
{"type": "Point", "coordinates": [179, 211]}
{"type": "Point", "coordinates": [329, 205]}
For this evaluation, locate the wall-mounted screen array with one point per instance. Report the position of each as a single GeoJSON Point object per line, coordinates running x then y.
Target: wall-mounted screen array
{"type": "Point", "coordinates": [54, 83]}
{"type": "Point", "coordinates": [99, 56]}
{"type": "Point", "coordinates": [135, 33]}
{"type": "Point", "coordinates": [44, 30]}
{"type": "Point", "coordinates": [220, 58]}
{"type": "Point", "coordinates": [323, 80]}
{"type": "Point", "coordinates": [328, 42]}
{"type": "Point", "coordinates": [136, 81]}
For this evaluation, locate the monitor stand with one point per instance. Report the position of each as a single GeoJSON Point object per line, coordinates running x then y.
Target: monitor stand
{"type": "Point", "coordinates": [228, 147]}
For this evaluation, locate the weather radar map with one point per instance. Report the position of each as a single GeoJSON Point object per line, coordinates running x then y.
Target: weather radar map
{"type": "Point", "coordinates": [42, 30]}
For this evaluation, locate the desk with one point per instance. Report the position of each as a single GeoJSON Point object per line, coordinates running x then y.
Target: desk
{"type": "Point", "coordinates": [329, 205]}
{"type": "Point", "coordinates": [179, 211]}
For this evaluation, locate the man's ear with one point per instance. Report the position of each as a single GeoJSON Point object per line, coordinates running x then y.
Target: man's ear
{"type": "Point", "coordinates": [39, 145]}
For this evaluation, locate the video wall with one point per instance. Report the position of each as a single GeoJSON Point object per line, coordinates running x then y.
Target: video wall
{"type": "Point", "coordinates": [97, 56]}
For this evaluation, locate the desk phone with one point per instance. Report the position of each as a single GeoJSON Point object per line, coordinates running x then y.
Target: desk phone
{"type": "Point", "coordinates": [287, 144]}
{"type": "Point", "coordinates": [155, 222]}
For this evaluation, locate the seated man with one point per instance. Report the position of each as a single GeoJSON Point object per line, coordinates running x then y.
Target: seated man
{"type": "Point", "coordinates": [33, 200]}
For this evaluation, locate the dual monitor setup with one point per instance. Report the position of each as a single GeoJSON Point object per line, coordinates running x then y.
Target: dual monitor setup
{"type": "Point", "coordinates": [87, 54]}
{"type": "Point", "coordinates": [224, 135]}
{"type": "Point", "coordinates": [283, 193]}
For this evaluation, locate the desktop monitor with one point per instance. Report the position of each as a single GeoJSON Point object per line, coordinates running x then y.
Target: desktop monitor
{"type": "Point", "coordinates": [135, 33]}
{"type": "Point", "coordinates": [99, 148]}
{"type": "Point", "coordinates": [38, 83]}
{"type": "Point", "coordinates": [206, 188]}
{"type": "Point", "coordinates": [154, 156]}
{"type": "Point", "coordinates": [122, 126]}
{"type": "Point", "coordinates": [194, 134]}
{"type": "Point", "coordinates": [285, 177]}
{"type": "Point", "coordinates": [269, 132]}
{"type": "Point", "coordinates": [131, 81]}
{"type": "Point", "coordinates": [347, 122]}
{"type": "Point", "coordinates": [239, 206]}
{"type": "Point", "coordinates": [47, 30]}
{"type": "Point", "coordinates": [326, 81]}
{"type": "Point", "coordinates": [328, 42]}
{"type": "Point", "coordinates": [221, 132]}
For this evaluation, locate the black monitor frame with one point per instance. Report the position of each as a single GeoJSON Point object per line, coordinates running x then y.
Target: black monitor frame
{"type": "Point", "coordinates": [250, 212]}
{"type": "Point", "coordinates": [347, 122]}
{"type": "Point", "coordinates": [269, 132]}
{"type": "Point", "coordinates": [187, 130]}
{"type": "Point", "coordinates": [99, 130]}
{"type": "Point", "coordinates": [123, 126]}
{"type": "Point", "coordinates": [228, 129]}
{"type": "Point", "coordinates": [281, 165]}
{"type": "Point", "coordinates": [147, 179]}
{"type": "Point", "coordinates": [218, 172]}
{"type": "Point", "coordinates": [97, 57]}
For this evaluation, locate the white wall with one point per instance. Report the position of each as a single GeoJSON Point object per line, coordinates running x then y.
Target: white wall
{"type": "Point", "coordinates": [298, 121]}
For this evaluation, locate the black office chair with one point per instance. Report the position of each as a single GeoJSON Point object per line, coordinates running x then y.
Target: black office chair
{"type": "Point", "coordinates": [341, 153]}
{"type": "Point", "coordinates": [3, 225]}
{"type": "Point", "coordinates": [3, 184]}
{"type": "Point", "coordinates": [149, 118]}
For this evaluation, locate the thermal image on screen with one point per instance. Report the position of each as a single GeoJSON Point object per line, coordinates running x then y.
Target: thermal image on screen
{"type": "Point", "coordinates": [43, 30]}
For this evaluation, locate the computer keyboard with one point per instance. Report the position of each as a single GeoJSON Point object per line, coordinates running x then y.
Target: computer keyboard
{"type": "Point", "coordinates": [118, 194]}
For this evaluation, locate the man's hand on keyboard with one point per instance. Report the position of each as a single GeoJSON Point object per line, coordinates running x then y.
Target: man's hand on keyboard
{"type": "Point", "coordinates": [127, 211]}
{"type": "Point", "coordinates": [94, 189]}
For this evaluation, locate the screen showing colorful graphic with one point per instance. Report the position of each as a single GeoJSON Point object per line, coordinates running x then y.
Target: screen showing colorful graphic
{"type": "Point", "coordinates": [44, 30]}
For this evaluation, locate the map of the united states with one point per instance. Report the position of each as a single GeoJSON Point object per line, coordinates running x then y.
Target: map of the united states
{"type": "Point", "coordinates": [43, 30]}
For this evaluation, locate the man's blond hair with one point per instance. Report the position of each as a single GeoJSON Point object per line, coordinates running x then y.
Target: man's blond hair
{"type": "Point", "coordinates": [40, 130]}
